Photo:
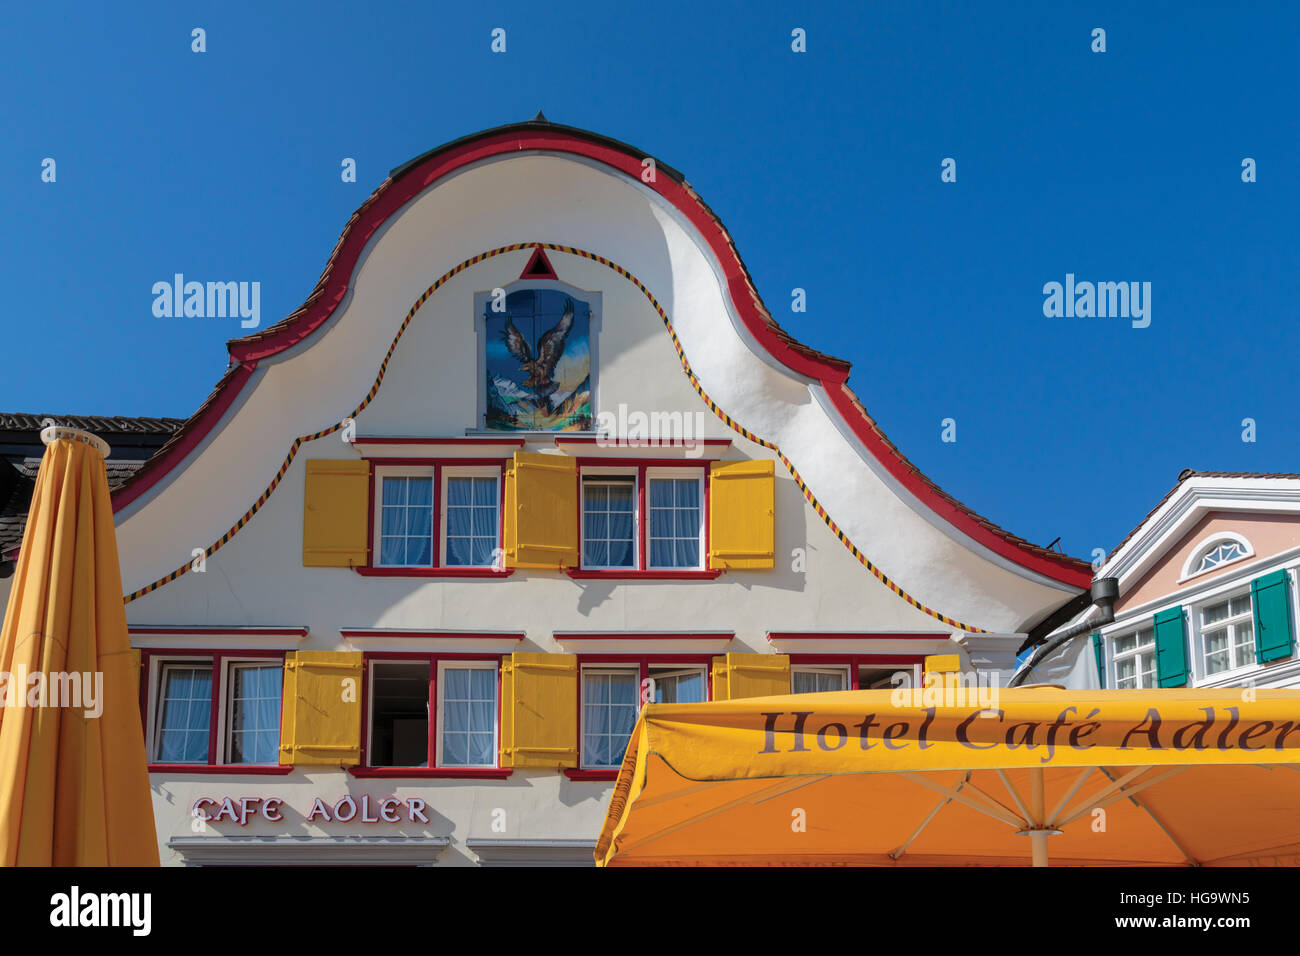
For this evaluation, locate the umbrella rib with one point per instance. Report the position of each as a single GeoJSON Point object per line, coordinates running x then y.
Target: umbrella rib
{"type": "Point", "coordinates": [989, 798]}
{"type": "Point", "coordinates": [1000, 813]}
{"type": "Point", "coordinates": [1069, 794]}
{"type": "Point", "coordinates": [1104, 792]}
{"type": "Point", "coordinates": [1020, 805]}
{"type": "Point", "coordinates": [1160, 823]}
{"type": "Point", "coordinates": [930, 816]}
{"type": "Point", "coordinates": [1108, 795]}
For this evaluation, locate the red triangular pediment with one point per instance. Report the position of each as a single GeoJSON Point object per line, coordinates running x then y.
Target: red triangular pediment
{"type": "Point", "coordinates": [539, 267]}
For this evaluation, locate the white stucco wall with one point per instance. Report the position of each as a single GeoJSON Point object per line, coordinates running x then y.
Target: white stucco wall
{"type": "Point", "coordinates": [431, 389]}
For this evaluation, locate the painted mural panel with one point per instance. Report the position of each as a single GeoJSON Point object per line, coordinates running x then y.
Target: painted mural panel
{"type": "Point", "coordinates": [538, 357]}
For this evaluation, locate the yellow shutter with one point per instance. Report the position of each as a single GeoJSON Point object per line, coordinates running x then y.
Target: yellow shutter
{"type": "Point", "coordinates": [541, 511]}
{"type": "Point", "coordinates": [943, 663]}
{"type": "Point", "coordinates": [539, 710]}
{"type": "Point", "coordinates": [720, 678]}
{"type": "Point", "coordinates": [742, 514]}
{"type": "Point", "coordinates": [750, 675]}
{"type": "Point", "coordinates": [335, 514]}
{"type": "Point", "coordinates": [320, 720]}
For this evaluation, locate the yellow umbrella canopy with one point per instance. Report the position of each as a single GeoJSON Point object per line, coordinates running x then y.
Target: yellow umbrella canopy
{"type": "Point", "coordinates": [1136, 778]}
{"type": "Point", "coordinates": [74, 786]}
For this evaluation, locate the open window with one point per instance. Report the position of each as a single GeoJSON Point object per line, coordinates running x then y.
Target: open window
{"type": "Point", "coordinates": [435, 713]}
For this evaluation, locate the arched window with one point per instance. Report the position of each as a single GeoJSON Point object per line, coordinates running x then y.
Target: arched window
{"type": "Point", "coordinates": [1216, 552]}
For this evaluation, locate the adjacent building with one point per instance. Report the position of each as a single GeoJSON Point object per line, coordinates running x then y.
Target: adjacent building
{"type": "Point", "coordinates": [1208, 591]}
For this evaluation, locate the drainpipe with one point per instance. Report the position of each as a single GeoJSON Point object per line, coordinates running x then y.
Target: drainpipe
{"type": "Point", "coordinates": [1104, 591]}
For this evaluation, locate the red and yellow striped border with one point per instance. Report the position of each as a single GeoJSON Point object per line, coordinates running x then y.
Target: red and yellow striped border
{"type": "Point", "coordinates": [690, 374]}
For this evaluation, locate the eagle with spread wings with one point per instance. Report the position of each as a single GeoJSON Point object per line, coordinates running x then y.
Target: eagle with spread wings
{"type": "Point", "coordinates": [550, 347]}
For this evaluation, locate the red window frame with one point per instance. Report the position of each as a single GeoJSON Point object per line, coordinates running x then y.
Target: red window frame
{"type": "Point", "coordinates": [643, 662]}
{"type": "Point", "coordinates": [217, 658]}
{"type": "Point", "coordinates": [642, 520]}
{"type": "Point", "coordinates": [436, 569]}
{"type": "Point", "coordinates": [854, 662]}
{"type": "Point", "coordinates": [430, 768]}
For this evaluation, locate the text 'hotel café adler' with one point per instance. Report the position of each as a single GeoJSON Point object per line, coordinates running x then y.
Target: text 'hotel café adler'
{"type": "Point", "coordinates": [435, 592]}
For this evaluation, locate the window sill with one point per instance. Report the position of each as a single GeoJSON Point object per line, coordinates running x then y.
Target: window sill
{"type": "Point", "coordinates": [230, 768]}
{"type": "Point", "coordinates": [636, 575]}
{"type": "Point", "coordinates": [450, 773]}
{"type": "Point", "coordinates": [434, 572]}
{"type": "Point", "coordinates": [609, 775]}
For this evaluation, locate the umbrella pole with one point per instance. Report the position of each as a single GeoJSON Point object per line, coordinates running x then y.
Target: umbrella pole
{"type": "Point", "coordinates": [1037, 810]}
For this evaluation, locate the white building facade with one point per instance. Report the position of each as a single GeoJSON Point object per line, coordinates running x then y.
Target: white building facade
{"type": "Point", "coordinates": [532, 453]}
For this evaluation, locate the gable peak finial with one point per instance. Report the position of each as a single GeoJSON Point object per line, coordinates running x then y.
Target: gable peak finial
{"type": "Point", "coordinates": [540, 118]}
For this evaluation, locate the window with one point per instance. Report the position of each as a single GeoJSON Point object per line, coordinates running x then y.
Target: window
{"type": "Point", "coordinates": [406, 521]}
{"type": "Point", "coordinates": [254, 708]}
{"type": "Point", "coordinates": [438, 516]}
{"type": "Point", "coordinates": [467, 715]}
{"type": "Point", "coordinates": [245, 702]}
{"type": "Point", "coordinates": [461, 695]}
{"type": "Point", "coordinates": [676, 522]}
{"type": "Point", "coordinates": [184, 713]}
{"type": "Point", "coordinates": [471, 520]}
{"type": "Point", "coordinates": [1135, 659]}
{"type": "Point", "coordinates": [1227, 635]}
{"type": "Point", "coordinates": [815, 680]}
{"type": "Point", "coordinates": [645, 519]}
{"type": "Point", "coordinates": [1223, 549]}
{"type": "Point", "coordinates": [609, 522]}
{"type": "Point", "coordinates": [611, 702]}
{"type": "Point", "coordinates": [538, 357]}
{"type": "Point", "coordinates": [399, 714]}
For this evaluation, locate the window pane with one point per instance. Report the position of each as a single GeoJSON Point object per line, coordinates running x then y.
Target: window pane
{"type": "Point", "coordinates": [678, 688]}
{"type": "Point", "coordinates": [255, 712]}
{"type": "Point", "coordinates": [1215, 613]}
{"type": "Point", "coordinates": [419, 492]}
{"type": "Point", "coordinates": [186, 708]}
{"type": "Point", "coordinates": [675, 520]}
{"type": "Point", "coordinates": [394, 521]}
{"type": "Point", "coordinates": [406, 522]}
{"type": "Point", "coordinates": [469, 713]}
{"type": "Point", "coordinates": [609, 714]}
{"type": "Point", "coordinates": [608, 526]}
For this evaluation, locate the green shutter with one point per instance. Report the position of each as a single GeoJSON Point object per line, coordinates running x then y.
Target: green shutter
{"type": "Point", "coordinates": [1099, 650]}
{"type": "Point", "coordinates": [1271, 598]}
{"type": "Point", "coordinates": [1171, 648]}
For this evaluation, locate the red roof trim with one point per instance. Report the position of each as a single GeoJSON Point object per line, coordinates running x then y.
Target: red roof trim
{"type": "Point", "coordinates": [393, 194]}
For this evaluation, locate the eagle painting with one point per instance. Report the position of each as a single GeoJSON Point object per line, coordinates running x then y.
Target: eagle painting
{"type": "Point", "coordinates": [539, 367]}
{"type": "Point", "coordinates": [549, 349]}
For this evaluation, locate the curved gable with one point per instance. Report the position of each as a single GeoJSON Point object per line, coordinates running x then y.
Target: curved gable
{"type": "Point", "coordinates": [941, 555]}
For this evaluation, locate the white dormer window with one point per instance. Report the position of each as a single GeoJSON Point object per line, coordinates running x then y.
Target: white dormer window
{"type": "Point", "coordinates": [1216, 552]}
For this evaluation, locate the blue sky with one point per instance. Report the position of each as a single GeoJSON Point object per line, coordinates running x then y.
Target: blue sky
{"type": "Point", "coordinates": [824, 166]}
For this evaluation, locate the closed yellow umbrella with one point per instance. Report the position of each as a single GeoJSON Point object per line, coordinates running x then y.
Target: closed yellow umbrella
{"type": "Point", "coordinates": [1119, 777]}
{"type": "Point", "coordinates": [74, 785]}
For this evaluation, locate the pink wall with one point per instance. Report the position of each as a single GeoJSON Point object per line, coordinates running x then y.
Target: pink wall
{"type": "Point", "coordinates": [1268, 535]}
